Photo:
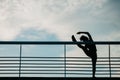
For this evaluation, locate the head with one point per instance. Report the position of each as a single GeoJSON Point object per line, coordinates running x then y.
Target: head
{"type": "Point", "coordinates": [84, 38]}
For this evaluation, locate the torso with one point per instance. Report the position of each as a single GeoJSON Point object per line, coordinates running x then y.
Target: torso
{"type": "Point", "coordinates": [91, 50]}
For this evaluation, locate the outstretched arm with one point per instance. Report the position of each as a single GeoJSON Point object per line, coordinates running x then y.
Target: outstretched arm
{"type": "Point", "coordinates": [74, 40]}
{"type": "Point", "coordinates": [87, 34]}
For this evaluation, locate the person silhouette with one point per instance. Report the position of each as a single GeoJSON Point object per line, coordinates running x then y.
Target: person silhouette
{"type": "Point", "coordinates": [89, 49]}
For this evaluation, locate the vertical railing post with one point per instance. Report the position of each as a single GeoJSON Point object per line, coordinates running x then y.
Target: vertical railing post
{"type": "Point", "coordinates": [109, 61]}
{"type": "Point", "coordinates": [20, 56]}
{"type": "Point", "coordinates": [65, 61]}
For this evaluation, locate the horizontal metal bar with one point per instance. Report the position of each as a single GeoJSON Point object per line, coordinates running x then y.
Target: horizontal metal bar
{"type": "Point", "coordinates": [54, 64]}
{"type": "Point", "coordinates": [62, 73]}
{"type": "Point", "coordinates": [56, 61]}
{"type": "Point", "coordinates": [14, 61]}
{"type": "Point", "coordinates": [59, 63]}
{"type": "Point", "coordinates": [63, 64]}
{"type": "Point", "coordinates": [62, 57]}
{"type": "Point", "coordinates": [57, 42]}
{"type": "Point", "coordinates": [58, 58]}
{"type": "Point", "coordinates": [52, 67]}
{"type": "Point", "coordinates": [60, 70]}
{"type": "Point", "coordinates": [66, 73]}
{"type": "Point", "coordinates": [9, 60]}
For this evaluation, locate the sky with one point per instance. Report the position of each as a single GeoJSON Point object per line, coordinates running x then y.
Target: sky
{"type": "Point", "coordinates": [57, 20]}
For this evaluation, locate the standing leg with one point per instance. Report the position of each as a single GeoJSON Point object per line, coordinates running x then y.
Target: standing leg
{"type": "Point", "coordinates": [94, 66]}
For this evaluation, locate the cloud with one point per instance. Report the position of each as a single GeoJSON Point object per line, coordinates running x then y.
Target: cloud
{"type": "Point", "coordinates": [61, 18]}
{"type": "Point", "coordinates": [8, 33]}
{"type": "Point", "coordinates": [17, 16]}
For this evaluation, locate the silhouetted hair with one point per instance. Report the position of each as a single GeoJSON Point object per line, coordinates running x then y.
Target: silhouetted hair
{"type": "Point", "coordinates": [84, 38]}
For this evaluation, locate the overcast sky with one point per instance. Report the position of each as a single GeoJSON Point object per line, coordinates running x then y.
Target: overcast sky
{"type": "Point", "coordinates": [57, 20]}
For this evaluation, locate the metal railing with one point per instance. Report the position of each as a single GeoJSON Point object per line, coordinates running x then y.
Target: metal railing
{"type": "Point", "coordinates": [63, 66]}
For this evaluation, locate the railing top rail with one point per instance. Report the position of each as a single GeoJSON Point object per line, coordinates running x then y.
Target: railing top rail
{"type": "Point", "coordinates": [58, 42]}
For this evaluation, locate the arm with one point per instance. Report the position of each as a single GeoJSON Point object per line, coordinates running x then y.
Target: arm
{"type": "Point", "coordinates": [81, 32]}
{"type": "Point", "coordinates": [74, 40]}
{"type": "Point", "coordinates": [87, 34]}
